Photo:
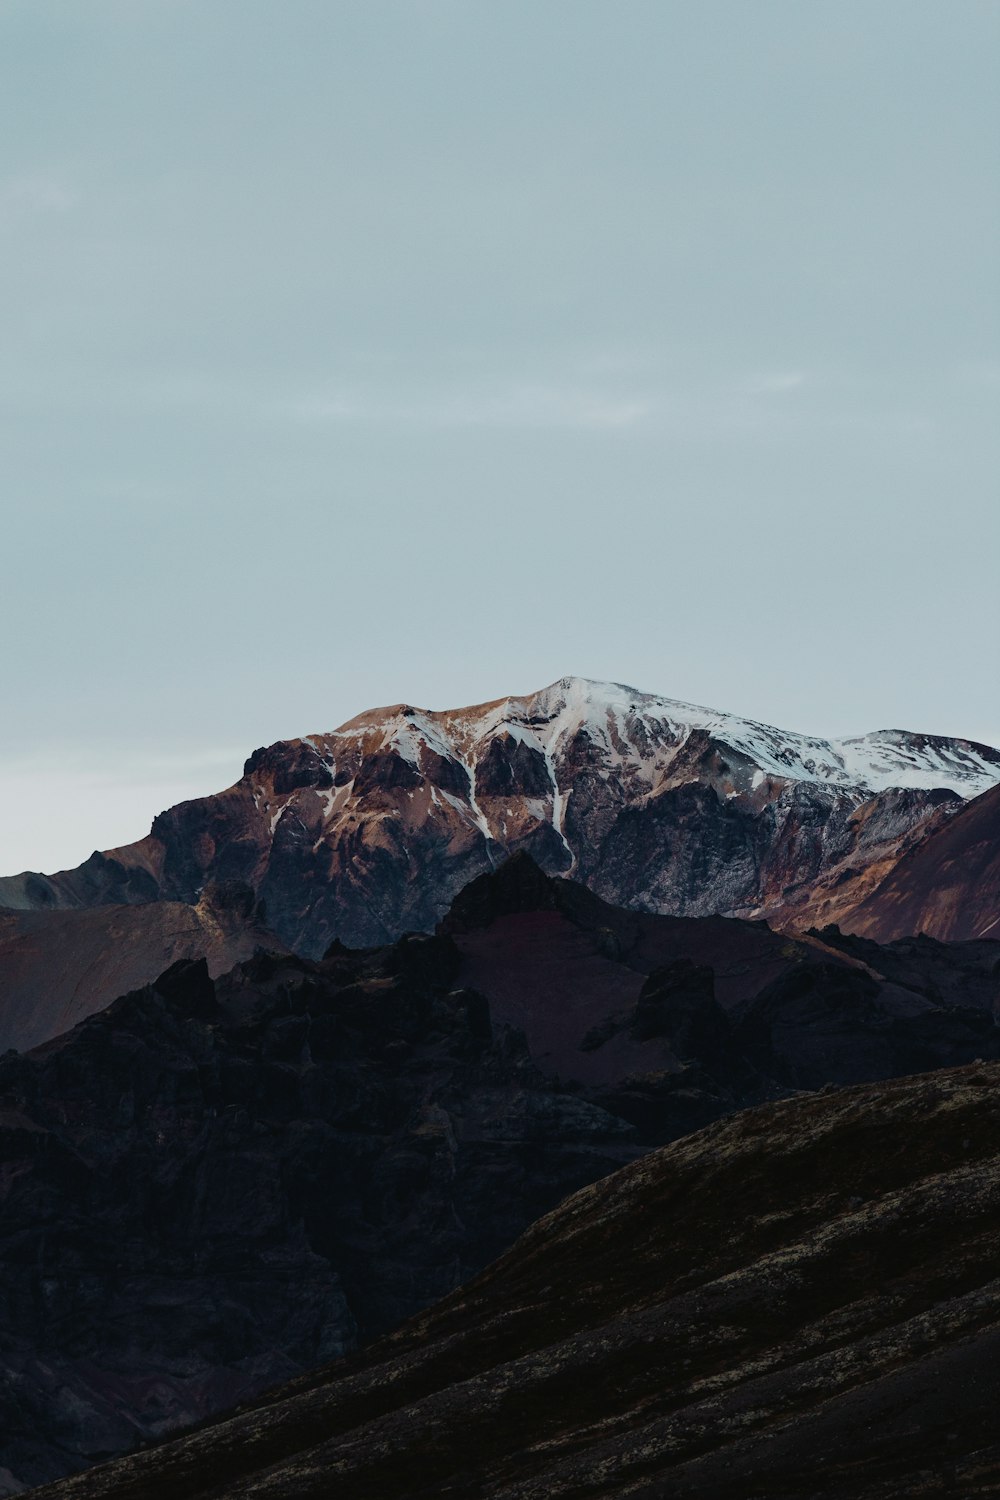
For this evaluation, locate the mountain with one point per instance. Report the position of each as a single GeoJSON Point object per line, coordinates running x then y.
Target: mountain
{"type": "Point", "coordinates": [797, 1303]}
{"type": "Point", "coordinates": [57, 967]}
{"type": "Point", "coordinates": [370, 830]}
{"type": "Point", "coordinates": [211, 1186]}
{"type": "Point", "coordinates": [948, 885]}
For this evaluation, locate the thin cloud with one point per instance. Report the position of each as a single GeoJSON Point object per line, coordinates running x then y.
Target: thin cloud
{"type": "Point", "coordinates": [520, 407]}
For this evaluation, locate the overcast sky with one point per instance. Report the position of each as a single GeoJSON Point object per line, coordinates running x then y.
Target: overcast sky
{"type": "Point", "coordinates": [358, 352]}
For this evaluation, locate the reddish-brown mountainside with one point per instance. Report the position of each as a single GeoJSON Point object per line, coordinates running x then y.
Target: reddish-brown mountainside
{"type": "Point", "coordinates": [947, 886]}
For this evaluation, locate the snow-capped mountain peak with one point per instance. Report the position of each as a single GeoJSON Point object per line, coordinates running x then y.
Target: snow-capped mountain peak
{"type": "Point", "coordinates": [624, 724]}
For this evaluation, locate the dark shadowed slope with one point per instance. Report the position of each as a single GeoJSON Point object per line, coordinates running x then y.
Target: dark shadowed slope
{"type": "Point", "coordinates": [208, 1187]}
{"type": "Point", "coordinates": [948, 886]}
{"type": "Point", "coordinates": [798, 1302]}
{"type": "Point", "coordinates": [596, 988]}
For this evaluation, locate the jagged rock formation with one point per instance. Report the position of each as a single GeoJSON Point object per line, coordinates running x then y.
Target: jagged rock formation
{"type": "Point", "coordinates": [369, 831]}
{"type": "Point", "coordinates": [798, 1303]}
{"type": "Point", "coordinates": [212, 1185]}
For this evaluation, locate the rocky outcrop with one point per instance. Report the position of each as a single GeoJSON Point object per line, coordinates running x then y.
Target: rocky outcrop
{"type": "Point", "coordinates": [370, 830]}
{"type": "Point", "coordinates": [799, 1303]}
{"type": "Point", "coordinates": [212, 1185]}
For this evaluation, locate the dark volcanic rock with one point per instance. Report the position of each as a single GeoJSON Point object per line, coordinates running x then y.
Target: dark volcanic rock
{"type": "Point", "coordinates": [678, 1002]}
{"type": "Point", "coordinates": [799, 1303]}
{"type": "Point", "coordinates": [509, 768]}
{"type": "Point", "coordinates": [290, 770]}
{"type": "Point", "coordinates": [926, 965]}
{"type": "Point", "coordinates": [604, 994]}
{"type": "Point", "coordinates": [821, 1023]}
{"type": "Point", "coordinates": [519, 885]}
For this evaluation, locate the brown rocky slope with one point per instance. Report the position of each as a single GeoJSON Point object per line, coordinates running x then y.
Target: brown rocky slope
{"type": "Point", "coordinates": [948, 885]}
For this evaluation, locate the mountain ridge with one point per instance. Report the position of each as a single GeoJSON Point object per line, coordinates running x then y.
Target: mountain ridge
{"type": "Point", "coordinates": [370, 829]}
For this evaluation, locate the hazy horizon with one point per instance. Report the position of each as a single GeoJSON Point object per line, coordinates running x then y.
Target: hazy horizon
{"type": "Point", "coordinates": [431, 351]}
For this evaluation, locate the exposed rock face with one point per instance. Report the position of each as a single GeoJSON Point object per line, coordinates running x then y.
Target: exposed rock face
{"type": "Point", "coordinates": [56, 967]}
{"type": "Point", "coordinates": [798, 1303]}
{"type": "Point", "coordinates": [371, 830]}
{"type": "Point", "coordinates": [212, 1185]}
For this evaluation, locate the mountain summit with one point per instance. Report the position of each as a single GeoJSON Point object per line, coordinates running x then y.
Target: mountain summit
{"type": "Point", "coordinates": [647, 731]}
{"type": "Point", "coordinates": [369, 830]}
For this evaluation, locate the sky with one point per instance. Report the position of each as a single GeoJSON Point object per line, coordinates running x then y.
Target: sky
{"type": "Point", "coordinates": [431, 350]}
